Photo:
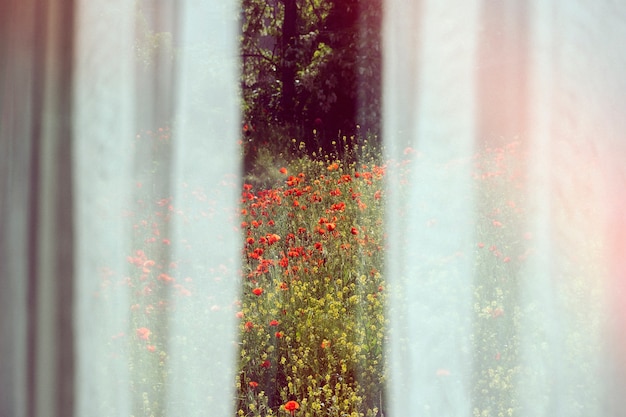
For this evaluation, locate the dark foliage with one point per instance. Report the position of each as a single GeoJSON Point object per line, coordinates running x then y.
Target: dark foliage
{"type": "Point", "coordinates": [311, 69]}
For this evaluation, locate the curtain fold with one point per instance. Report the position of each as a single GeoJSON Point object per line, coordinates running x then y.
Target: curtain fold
{"type": "Point", "coordinates": [504, 117]}
{"type": "Point", "coordinates": [37, 248]}
{"type": "Point", "coordinates": [430, 109]}
{"type": "Point", "coordinates": [15, 148]}
{"type": "Point", "coordinates": [156, 142]}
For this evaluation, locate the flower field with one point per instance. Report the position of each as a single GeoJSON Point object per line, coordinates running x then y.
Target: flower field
{"type": "Point", "coordinates": [312, 314]}
{"type": "Point", "coordinates": [312, 310]}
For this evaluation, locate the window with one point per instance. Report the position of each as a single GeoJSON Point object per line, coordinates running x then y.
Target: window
{"type": "Point", "coordinates": [504, 201]}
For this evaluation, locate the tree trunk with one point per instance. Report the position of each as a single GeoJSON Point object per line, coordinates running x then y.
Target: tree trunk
{"type": "Point", "coordinates": [289, 60]}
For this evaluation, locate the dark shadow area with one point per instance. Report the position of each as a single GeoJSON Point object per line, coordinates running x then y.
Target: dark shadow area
{"type": "Point", "coordinates": [310, 71]}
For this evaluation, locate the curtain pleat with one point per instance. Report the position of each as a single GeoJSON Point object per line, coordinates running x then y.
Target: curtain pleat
{"type": "Point", "coordinates": [523, 317]}
{"type": "Point", "coordinates": [156, 142]}
{"type": "Point", "coordinates": [430, 108]}
{"type": "Point", "coordinates": [16, 32]}
{"type": "Point", "coordinates": [38, 242]}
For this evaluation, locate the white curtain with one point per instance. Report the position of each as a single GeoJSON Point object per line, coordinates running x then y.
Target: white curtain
{"type": "Point", "coordinates": [178, 187]}
{"type": "Point", "coordinates": [530, 323]}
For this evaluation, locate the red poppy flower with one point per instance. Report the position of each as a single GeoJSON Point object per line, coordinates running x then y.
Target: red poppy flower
{"type": "Point", "coordinates": [279, 335]}
{"type": "Point", "coordinates": [354, 231]}
{"type": "Point", "coordinates": [291, 406]}
{"type": "Point", "coordinates": [253, 384]}
{"type": "Point", "coordinates": [283, 170]}
{"type": "Point", "coordinates": [257, 291]}
{"type": "Point", "coordinates": [165, 278]}
{"type": "Point", "coordinates": [249, 325]}
{"type": "Point", "coordinates": [273, 238]}
{"type": "Point", "coordinates": [143, 333]}
{"type": "Point", "coordinates": [266, 363]}
{"type": "Point", "coordinates": [273, 323]}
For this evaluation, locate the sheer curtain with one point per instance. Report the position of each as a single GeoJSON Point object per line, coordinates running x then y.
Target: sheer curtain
{"type": "Point", "coordinates": [535, 88]}
{"type": "Point", "coordinates": [90, 167]}
{"type": "Point", "coordinates": [507, 115]}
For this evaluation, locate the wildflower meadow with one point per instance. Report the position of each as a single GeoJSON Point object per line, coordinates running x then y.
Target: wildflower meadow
{"type": "Point", "coordinates": [312, 312]}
